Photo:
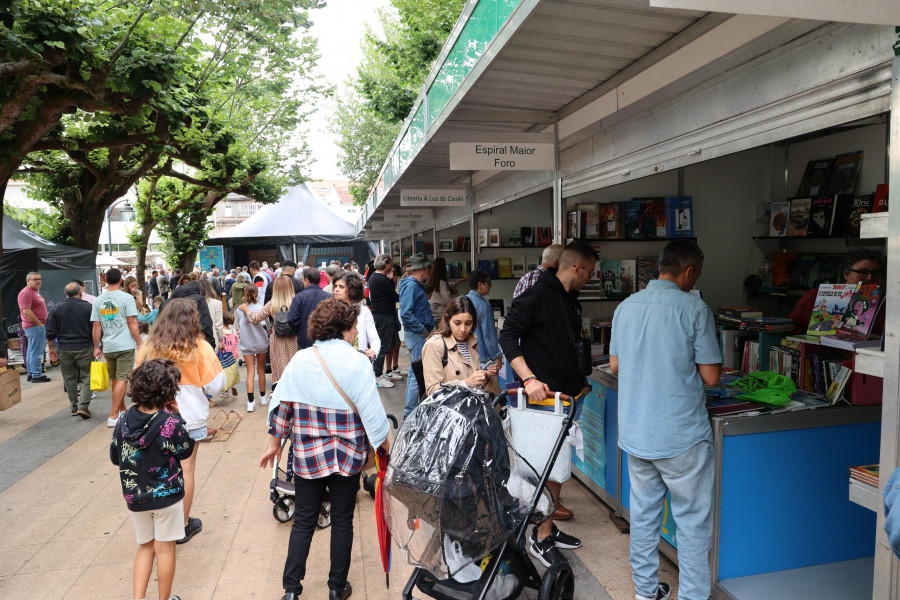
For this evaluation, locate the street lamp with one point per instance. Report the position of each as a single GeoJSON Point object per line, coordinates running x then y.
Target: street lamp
{"type": "Point", "coordinates": [126, 208]}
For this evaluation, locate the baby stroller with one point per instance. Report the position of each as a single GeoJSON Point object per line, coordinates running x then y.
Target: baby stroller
{"type": "Point", "coordinates": [459, 501]}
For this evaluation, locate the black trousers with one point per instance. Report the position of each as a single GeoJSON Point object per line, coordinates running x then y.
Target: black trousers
{"type": "Point", "coordinates": [387, 330]}
{"type": "Point", "coordinates": [308, 500]}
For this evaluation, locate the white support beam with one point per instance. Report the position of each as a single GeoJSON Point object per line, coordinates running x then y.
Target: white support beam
{"type": "Point", "coordinates": [871, 12]}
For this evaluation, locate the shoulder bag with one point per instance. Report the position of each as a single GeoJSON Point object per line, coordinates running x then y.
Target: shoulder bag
{"type": "Point", "coordinates": [370, 456]}
{"type": "Point", "coordinates": [282, 325]}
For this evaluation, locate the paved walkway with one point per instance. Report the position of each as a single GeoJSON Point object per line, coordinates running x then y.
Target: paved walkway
{"type": "Point", "coordinates": [65, 532]}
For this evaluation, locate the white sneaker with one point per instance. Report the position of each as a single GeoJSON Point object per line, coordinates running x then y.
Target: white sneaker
{"type": "Point", "coordinates": [111, 422]}
{"type": "Point", "coordinates": [384, 382]}
{"type": "Point", "coordinates": [251, 406]}
{"type": "Point", "coordinates": [397, 371]}
{"type": "Point", "coordinates": [393, 376]}
{"type": "Point", "coordinates": [263, 400]}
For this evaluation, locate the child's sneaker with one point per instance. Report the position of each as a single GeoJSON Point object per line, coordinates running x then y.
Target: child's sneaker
{"type": "Point", "coordinates": [251, 406]}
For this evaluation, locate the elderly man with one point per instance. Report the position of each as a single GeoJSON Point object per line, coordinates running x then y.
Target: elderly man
{"type": "Point", "coordinates": [33, 310]}
{"type": "Point", "coordinates": [214, 280]}
{"type": "Point", "coordinates": [549, 260]}
{"type": "Point", "coordinates": [330, 272]}
{"type": "Point", "coordinates": [383, 300]}
{"type": "Point", "coordinates": [69, 324]}
{"type": "Point", "coordinates": [417, 319]}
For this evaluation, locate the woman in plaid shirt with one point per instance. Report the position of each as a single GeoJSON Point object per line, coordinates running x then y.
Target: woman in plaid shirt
{"type": "Point", "coordinates": [329, 439]}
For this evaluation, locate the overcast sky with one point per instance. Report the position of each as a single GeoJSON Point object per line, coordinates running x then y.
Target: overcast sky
{"type": "Point", "coordinates": [339, 27]}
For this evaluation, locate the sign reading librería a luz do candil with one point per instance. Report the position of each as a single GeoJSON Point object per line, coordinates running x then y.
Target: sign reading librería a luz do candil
{"type": "Point", "coordinates": [438, 198]}
{"type": "Point", "coordinates": [472, 156]}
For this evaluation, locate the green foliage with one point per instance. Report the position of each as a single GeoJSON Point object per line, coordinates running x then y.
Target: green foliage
{"type": "Point", "coordinates": [44, 224]}
{"type": "Point", "coordinates": [388, 82]}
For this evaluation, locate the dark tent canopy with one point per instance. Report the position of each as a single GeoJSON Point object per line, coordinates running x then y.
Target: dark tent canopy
{"type": "Point", "coordinates": [299, 227]}
{"type": "Point", "coordinates": [25, 251]}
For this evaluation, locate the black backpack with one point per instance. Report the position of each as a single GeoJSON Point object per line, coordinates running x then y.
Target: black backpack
{"type": "Point", "coordinates": [283, 327]}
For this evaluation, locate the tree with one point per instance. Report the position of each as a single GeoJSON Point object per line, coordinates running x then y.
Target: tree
{"type": "Point", "coordinates": [388, 82]}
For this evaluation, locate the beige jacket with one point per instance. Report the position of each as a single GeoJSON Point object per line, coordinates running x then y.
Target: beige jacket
{"type": "Point", "coordinates": [457, 369]}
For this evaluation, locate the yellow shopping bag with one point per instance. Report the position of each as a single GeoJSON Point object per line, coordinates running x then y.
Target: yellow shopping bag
{"type": "Point", "coordinates": [99, 376]}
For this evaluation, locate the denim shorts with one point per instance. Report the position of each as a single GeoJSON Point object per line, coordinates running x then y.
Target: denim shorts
{"type": "Point", "coordinates": [198, 434]}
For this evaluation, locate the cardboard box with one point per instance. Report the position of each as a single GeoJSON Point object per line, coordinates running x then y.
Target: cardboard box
{"type": "Point", "coordinates": [10, 389]}
{"type": "Point", "coordinates": [14, 344]}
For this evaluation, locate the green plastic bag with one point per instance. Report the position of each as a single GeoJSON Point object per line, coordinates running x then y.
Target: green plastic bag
{"type": "Point", "coordinates": [767, 387]}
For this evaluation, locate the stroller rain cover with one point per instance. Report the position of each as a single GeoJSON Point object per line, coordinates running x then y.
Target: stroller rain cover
{"type": "Point", "coordinates": [446, 498]}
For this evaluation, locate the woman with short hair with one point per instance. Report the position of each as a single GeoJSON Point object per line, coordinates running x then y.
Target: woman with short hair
{"type": "Point", "coordinates": [348, 288]}
{"type": "Point", "coordinates": [329, 436]}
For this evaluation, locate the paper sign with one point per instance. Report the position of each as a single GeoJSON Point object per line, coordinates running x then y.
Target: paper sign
{"type": "Point", "coordinates": [440, 198]}
{"type": "Point", "coordinates": [467, 156]}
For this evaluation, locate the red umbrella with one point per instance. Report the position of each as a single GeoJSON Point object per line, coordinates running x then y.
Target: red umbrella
{"type": "Point", "coordinates": [384, 535]}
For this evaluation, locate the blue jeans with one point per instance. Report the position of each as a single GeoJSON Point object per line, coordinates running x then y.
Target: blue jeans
{"type": "Point", "coordinates": [689, 478]}
{"type": "Point", "coordinates": [37, 339]}
{"type": "Point", "coordinates": [414, 343]}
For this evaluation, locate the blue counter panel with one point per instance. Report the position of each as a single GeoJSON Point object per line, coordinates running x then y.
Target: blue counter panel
{"type": "Point", "coordinates": [594, 430]}
{"type": "Point", "coordinates": [785, 499]}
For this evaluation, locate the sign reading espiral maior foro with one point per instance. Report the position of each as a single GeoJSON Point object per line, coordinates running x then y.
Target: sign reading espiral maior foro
{"type": "Point", "coordinates": [433, 198]}
{"type": "Point", "coordinates": [468, 156]}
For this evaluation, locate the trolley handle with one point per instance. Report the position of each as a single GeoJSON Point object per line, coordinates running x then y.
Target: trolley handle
{"type": "Point", "coordinates": [503, 397]}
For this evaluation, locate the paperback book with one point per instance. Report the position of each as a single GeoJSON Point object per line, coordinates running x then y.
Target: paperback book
{"type": "Point", "coordinates": [679, 217]}
{"type": "Point", "coordinates": [861, 312]}
{"type": "Point", "coordinates": [881, 198]}
{"type": "Point", "coordinates": [544, 236]}
{"type": "Point", "coordinates": [632, 219]}
{"type": "Point", "coordinates": [653, 217]}
{"type": "Point", "coordinates": [816, 177]}
{"type": "Point", "coordinates": [573, 225]}
{"type": "Point", "coordinates": [798, 222]}
{"type": "Point", "coordinates": [836, 388]}
{"type": "Point", "coordinates": [859, 206]}
{"type": "Point", "coordinates": [778, 218]}
{"type": "Point", "coordinates": [845, 172]}
{"type": "Point", "coordinates": [820, 212]}
{"type": "Point", "coordinates": [494, 236]}
{"type": "Point", "coordinates": [610, 226]}
{"type": "Point", "coordinates": [832, 302]}
{"type": "Point", "coordinates": [590, 220]}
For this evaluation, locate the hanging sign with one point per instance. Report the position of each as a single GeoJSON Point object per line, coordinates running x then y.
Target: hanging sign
{"type": "Point", "coordinates": [439, 198]}
{"type": "Point", "coordinates": [388, 226]}
{"type": "Point", "coordinates": [408, 215]}
{"type": "Point", "coordinates": [211, 255]}
{"type": "Point", "coordinates": [519, 156]}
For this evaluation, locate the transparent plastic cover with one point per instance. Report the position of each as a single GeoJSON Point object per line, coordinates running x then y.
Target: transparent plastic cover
{"type": "Point", "coordinates": [454, 489]}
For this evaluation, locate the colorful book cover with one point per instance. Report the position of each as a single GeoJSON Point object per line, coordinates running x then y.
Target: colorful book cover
{"type": "Point", "coordinates": [527, 236]}
{"type": "Point", "coordinates": [798, 222]}
{"type": "Point", "coordinates": [861, 312]}
{"type": "Point", "coordinates": [820, 211]}
{"type": "Point", "coordinates": [609, 275]}
{"type": "Point", "coordinates": [459, 242]}
{"type": "Point", "coordinates": [490, 266]}
{"type": "Point", "coordinates": [482, 238]}
{"type": "Point", "coordinates": [544, 236]}
{"type": "Point", "coordinates": [881, 198]}
{"type": "Point", "coordinates": [610, 226]}
{"type": "Point", "coordinates": [494, 236]}
{"type": "Point", "coordinates": [504, 267]}
{"type": "Point", "coordinates": [679, 216]}
{"type": "Point", "coordinates": [429, 248]}
{"type": "Point", "coordinates": [653, 217]}
{"type": "Point", "coordinates": [816, 177]}
{"type": "Point", "coordinates": [646, 270]}
{"type": "Point", "coordinates": [832, 301]}
{"type": "Point", "coordinates": [778, 218]}
{"type": "Point", "coordinates": [590, 220]}
{"type": "Point", "coordinates": [859, 206]}
{"type": "Point", "coordinates": [836, 388]}
{"type": "Point", "coordinates": [632, 210]}
{"type": "Point", "coordinates": [844, 174]}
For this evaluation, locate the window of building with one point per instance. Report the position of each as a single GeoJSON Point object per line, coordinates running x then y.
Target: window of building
{"type": "Point", "coordinates": [249, 209]}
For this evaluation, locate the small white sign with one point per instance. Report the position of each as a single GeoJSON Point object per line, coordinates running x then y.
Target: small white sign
{"type": "Point", "coordinates": [408, 215]}
{"type": "Point", "coordinates": [441, 198]}
{"type": "Point", "coordinates": [387, 226]}
{"type": "Point", "coordinates": [467, 156]}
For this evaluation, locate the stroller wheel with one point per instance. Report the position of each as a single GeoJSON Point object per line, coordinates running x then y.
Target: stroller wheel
{"type": "Point", "coordinates": [557, 583]}
{"type": "Point", "coordinates": [369, 484]}
{"type": "Point", "coordinates": [283, 509]}
{"type": "Point", "coordinates": [324, 516]}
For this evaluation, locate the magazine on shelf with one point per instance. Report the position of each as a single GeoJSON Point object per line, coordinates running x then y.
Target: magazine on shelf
{"type": "Point", "coordinates": [831, 303]}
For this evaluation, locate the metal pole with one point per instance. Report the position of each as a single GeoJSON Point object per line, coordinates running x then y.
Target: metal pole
{"type": "Point", "coordinates": [109, 229]}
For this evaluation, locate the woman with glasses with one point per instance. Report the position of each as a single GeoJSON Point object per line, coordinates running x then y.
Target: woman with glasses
{"type": "Point", "coordinates": [861, 265]}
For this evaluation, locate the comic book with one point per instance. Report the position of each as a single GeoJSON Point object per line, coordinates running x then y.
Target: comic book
{"type": "Point", "coordinates": [831, 304]}
{"type": "Point", "coordinates": [861, 312]}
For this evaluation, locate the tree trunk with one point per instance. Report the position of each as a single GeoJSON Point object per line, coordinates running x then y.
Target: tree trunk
{"type": "Point", "coordinates": [141, 249]}
{"type": "Point", "coordinates": [188, 260]}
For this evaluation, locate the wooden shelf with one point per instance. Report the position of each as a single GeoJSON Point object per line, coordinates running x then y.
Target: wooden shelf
{"type": "Point", "coordinates": [864, 494]}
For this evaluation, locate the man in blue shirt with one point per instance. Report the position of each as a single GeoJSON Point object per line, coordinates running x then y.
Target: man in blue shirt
{"type": "Point", "coordinates": [664, 349]}
{"type": "Point", "coordinates": [485, 331]}
{"type": "Point", "coordinates": [417, 319]}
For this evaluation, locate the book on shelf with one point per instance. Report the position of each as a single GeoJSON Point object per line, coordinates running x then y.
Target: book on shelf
{"type": "Point", "coordinates": [446, 245]}
{"type": "Point", "coordinates": [647, 269]}
{"type": "Point", "coordinates": [805, 339]}
{"type": "Point", "coordinates": [739, 312]}
{"type": "Point", "coordinates": [840, 215]}
{"type": "Point", "coordinates": [527, 234]}
{"type": "Point", "coordinates": [859, 206]}
{"type": "Point", "coordinates": [544, 236]}
{"type": "Point", "coordinates": [590, 220]}
{"type": "Point", "coordinates": [420, 246]}
{"type": "Point", "coordinates": [679, 216]}
{"type": "Point", "coordinates": [734, 406]}
{"type": "Point", "coordinates": [836, 388]}
{"type": "Point", "coordinates": [515, 237]}
{"type": "Point", "coordinates": [532, 263]}
{"type": "Point", "coordinates": [464, 268]}
{"type": "Point", "coordinates": [881, 198]}
{"type": "Point", "coordinates": [835, 341]}
{"type": "Point", "coordinates": [798, 222]}
{"type": "Point", "coordinates": [816, 177]}
{"type": "Point", "coordinates": [573, 225]}
{"type": "Point", "coordinates": [653, 217]}
{"type": "Point", "coordinates": [482, 238]}
{"type": "Point", "coordinates": [869, 474]}
{"type": "Point", "coordinates": [429, 248]}
{"type": "Point", "coordinates": [844, 174]}
{"type": "Point", "coordinates": [779, 213]}
{"type": "Point", "coordinates": [504, 268]}
{"type": "Point", "coordinates": [820, 212]}
{"type": "Point", "coordinates": [488, 265]}
{"type": "Point", "coordinates": [617, 277]}
{"type": "Point", "coordinates": [611, 226]}
{"type": "Point", "coordinates": [733, 341]}
{"type": "Point", "coordinates": [831, 303]}
{"type": "Point", "coordinates": [453, 270]}
{"type": "Point", "coordinates": [460, 243]}
{"type": "Point", "coordinates": [494, 237]}
{"type": "Point", "coordinates": [766, 324]}
{"type": "Point", "coordinates": [632, 220]}
{"type": "Point", "coordinates": [518, 265]}
{"type": "Point", "coordinates": [864, 306]}
{"type": "Point", "coordinates": [802, 400]}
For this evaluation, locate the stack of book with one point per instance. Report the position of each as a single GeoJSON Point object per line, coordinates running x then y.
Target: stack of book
{"type": "Point", "coordinates": [866, 473]}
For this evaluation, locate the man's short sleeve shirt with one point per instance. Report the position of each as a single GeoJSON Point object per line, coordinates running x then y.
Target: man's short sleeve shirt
{"type": "Point", "coordinates": [111, 310]}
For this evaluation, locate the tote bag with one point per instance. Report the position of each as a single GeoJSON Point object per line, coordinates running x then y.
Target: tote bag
{"type": "Point", "coordinates": [230, 368]}
{"type": "Point", "coordinates": [99, 376]}
{"type": "Point", "coordinates": [533, 433]}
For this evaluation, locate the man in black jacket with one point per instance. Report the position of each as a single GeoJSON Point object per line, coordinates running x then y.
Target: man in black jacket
{"type": "Point", "coordinates": [154, 286]}
{"type": "Point", "coordinates": [304, 304]}
{"type": "Point", "coordinates": [191, 291]}
{"type": "Point", "coordinates": [69, 324]}
{"type": "Point", "coordinates": [542, 341]}
{"type": "Point", "coordinates": [383, 300]}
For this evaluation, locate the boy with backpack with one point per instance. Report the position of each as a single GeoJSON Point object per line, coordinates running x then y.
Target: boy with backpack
{"type": "Point", "coordinates": [148, 444]}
